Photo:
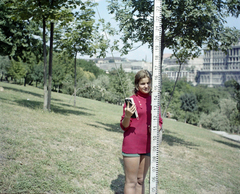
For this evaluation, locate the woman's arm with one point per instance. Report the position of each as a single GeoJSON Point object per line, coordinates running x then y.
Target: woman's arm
{"type": "Point", "coordinates": [126, 122]}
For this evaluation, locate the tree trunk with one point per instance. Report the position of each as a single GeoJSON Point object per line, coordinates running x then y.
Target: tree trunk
{"type": "Point", "coordinates": [25, 81]}
{"type": "Point", "coordinates": [75, 79]}
{"type": "Point", "coordinates": [185, 116]}
{"type": "Point", "coordinates": [30, 83]}
{"type": "Point", "coordinates": [164, 114]}
{"type": "Point", "coordinates": [45, 67]}
{"type": "Point", "coordinates": [50, 68]}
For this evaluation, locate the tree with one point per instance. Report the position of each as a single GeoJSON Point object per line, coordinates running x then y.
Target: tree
{"type": "Point", "coordinates": [208, 98]}
{"type": "Point", "coordinates": [82, 37]}
{"type": "Point", "coordinates": [182, 55]}
{"type": "Point", "coordinates": [237, 94]}
{"type": "Point", "coordinates": [4, 63]}
{"type": "Point", "coordinates": [189, 102]}
{"type": "Point", "coordinates": [223, 118]}
{"type": "Point", "coordinates": [230, 83]}
{"type": "Point", "coordinates": [37, 74]}
{"type": "Point", "coordinates": [90, 66]}
{"type": "Point", "coordinates": [17, 36]}
{"type": "Point", "coordinates": [120, 84]}
{"type": "Point", "coordinates": [17, 70]}
{"type": "Point", "coordinates": [215, 121]}
{"type": "Point", "coordinates": [187, 24]}
{"type": "Point", "coordinates": [29, 66]}
{"type": "Point", "coordinates": [45, 11]}
{"type": "Point", "coordinates": [62, 66]}
{"type": "Point", "coordinates": [236, 97]}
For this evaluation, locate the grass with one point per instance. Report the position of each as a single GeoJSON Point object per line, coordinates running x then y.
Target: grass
{"type": "Point", "coordinates": [78, 150]}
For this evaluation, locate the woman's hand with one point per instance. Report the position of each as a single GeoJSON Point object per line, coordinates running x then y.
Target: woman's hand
{"type": "Point", "coordinates": [128, 113]}
{"type": "Point", "coordinates": [129, 110]}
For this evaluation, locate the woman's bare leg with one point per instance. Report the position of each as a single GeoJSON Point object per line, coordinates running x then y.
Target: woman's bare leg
{"type": "Point", "coordinates": [131, 167]}
{"type": "Point", "coordinates": [142, 172]}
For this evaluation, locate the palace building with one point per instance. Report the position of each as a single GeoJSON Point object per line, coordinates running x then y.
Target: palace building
{"type": "Point", "coordinates": [219, 67]}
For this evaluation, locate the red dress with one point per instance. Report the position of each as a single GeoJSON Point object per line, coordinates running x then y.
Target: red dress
{"type": "Point", "coordinates": [137, 136]}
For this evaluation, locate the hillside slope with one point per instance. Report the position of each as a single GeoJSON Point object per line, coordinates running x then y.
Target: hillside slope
{"type": "Point", "coordinates": [78, 150]}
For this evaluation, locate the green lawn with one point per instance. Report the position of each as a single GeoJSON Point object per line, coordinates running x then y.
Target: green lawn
{"type": "Point", "coordinates": [78, 150]}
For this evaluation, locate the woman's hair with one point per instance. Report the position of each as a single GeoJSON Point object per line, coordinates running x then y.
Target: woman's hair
{"type": "Point", "coordinates": [141, 74]}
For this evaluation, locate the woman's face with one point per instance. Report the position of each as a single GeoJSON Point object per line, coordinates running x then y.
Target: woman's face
{"type": "Point", "coordinates": [144, 85]}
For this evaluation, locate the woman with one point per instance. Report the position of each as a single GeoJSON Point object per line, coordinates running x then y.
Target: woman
{"type": "Point", "coordinates": [137, 137]}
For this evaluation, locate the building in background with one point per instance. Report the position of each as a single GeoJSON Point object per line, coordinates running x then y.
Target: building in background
{"type": "Point", "coordinates": [170, 67]}
{"type": "Point", "coordinates": [109, 63]}
{"type": "Point", "coordinates": [219, 67]}
{"type": "Point", "coordinates": [213, 68]}
{"type": "Point", "coordinates": [189, 75]}
{"type": "Point", "coordinates": [188, 70]}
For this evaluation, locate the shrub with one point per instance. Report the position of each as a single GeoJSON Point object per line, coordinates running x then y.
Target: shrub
{"type": "Point", "coordinates": [215, 121]}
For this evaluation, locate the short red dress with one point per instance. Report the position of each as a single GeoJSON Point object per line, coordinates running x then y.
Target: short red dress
{"type": "Point", "coordinates": [137, 137]}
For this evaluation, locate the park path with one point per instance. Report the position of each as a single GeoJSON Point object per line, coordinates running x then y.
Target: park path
{"type": "Point", "coordinates": [229, 136]}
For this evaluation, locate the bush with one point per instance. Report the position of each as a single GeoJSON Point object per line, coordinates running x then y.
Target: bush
{"type": "Point", "coordinates": [67, 87]}
{"type": "Point", "coordinates": [215, 121]}
{"type": "Point", "coordinates": [192, 118]}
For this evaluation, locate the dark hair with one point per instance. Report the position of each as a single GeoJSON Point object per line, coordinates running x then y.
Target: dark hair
{"type": "Point", "coordinates": [141, 74]}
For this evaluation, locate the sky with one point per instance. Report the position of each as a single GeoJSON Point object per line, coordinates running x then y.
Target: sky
{"type": "Point", "coordinates": [143, 52]}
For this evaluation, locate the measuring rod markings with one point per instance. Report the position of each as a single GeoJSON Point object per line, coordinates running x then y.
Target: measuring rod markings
{"type": "Point", "coordinates": [155, 95]}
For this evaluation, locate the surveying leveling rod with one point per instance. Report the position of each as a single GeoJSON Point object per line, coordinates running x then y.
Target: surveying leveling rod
{"type": "Point", "coordinates": [156, 87]}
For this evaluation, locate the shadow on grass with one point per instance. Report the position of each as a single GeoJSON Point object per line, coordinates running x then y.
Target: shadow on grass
{"type": "Point", "coordinates": [228, 144]}
{"type": "Point", "coordinates": [3, 99]}
{"type": "Point", "coordinates": [117, 185]}
{"type": "Point", "coordinates": [229, 138]}
{"type": "Point", "coordinates": [109, 127]}
{"type": "Point", "coordinates": [56, 109]}
{"type": "Point", "coordinates": [173, 140]}
{"type": "Point", "coordinates": [27, 92]}
{"type": "Point", "coordinates": [71, 106]}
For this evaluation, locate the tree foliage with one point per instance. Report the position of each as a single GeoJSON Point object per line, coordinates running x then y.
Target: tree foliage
{"type": "Point", "coordinates": [189, 102]}
{"type": "Point", "coordinates": [4, 63]}
{"type": "Point", "coordinates": [235, 93]}
{"type": "Point", "coordinates": [215, 108]}
{"type": "Point", "coordinates": [75, 22]}
{"type": "Point", "coordinates": [17, 36]}
{"type": "Point", "coordinates": [90, 66]}
{"type": "Point", "coordinates": [223, 118]}
{"type": "Point", "coordinates": [121, 84]}
{"type": "Point", "coordinates": [185, 24]}
{"type": "Point", "coordinates": [208, 99]}
{"type": "Point", "coordinates": [17, 69]}
{"type": "Point", "coordinates": [62, 66]}
{"type": "Point", "coordinates": [37, 74]}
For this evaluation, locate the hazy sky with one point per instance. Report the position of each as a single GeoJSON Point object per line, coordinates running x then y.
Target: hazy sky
{"type": "Point", "coordinates": [143, 52]}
